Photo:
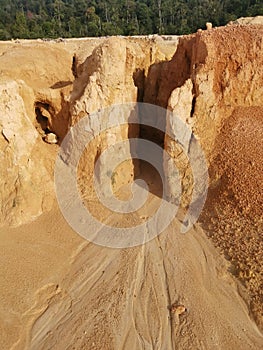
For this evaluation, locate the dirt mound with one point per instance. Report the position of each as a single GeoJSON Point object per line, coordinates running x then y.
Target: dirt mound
{"type": "Point", "coordinates": [233, 215]}
{"type": "Point", "coordinates": [249, 20]}
{"type": "Point", "coordinates": [238, 165]}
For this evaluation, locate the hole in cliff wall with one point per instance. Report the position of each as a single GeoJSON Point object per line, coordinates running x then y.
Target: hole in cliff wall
{"type": "Point", "coordinates": [193, 107]}
{"type": "Point", "coordinates": [42, 121]}
{"type": "Point", "coordinates": [44, 114]}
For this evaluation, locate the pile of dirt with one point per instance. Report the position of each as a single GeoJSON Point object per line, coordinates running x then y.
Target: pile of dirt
{"type": "Point", "coordinates": [249, 20]}
{"type": "Point", "coordinates": [233, 215]}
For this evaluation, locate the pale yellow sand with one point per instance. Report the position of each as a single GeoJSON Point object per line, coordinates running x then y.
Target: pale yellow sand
{"type": "Point", "coordinates": [61, 292]}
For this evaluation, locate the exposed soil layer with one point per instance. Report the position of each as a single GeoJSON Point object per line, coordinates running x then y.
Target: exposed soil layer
{"type": "Point", "coordinates": [224, 66]}
{"type": "Point", "coordinates": [233, 215]}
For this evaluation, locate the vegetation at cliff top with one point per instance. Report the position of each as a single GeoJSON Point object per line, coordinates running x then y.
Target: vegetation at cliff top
{"type": "Point", "coordinates": [80, 18]}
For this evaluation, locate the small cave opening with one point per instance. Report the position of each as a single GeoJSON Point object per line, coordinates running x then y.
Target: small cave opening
{"type": "Point", "coordinates": [42, 122]}
{"type": "Point", "coordinates": [193, 107]}
{"type": "Point", "coordinates": [44, 113]}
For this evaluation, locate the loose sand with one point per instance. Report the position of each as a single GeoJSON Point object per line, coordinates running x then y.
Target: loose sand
{"type": "Point", "coordinates": [61, 292]}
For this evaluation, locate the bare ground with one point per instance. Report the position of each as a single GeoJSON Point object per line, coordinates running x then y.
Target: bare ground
{"type": "Point", "coordinates": [102, 298]}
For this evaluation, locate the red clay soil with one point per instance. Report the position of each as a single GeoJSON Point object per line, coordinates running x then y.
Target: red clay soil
{"type": "Point", "coordinates": [233, 215]}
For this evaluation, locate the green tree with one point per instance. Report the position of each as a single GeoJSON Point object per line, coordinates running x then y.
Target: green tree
{"type": "Point", "coordinates": [69, 18]}
{"type": "Point", "coordinates": [144, 15]}
{"type": "Point", "coordinates": [93, 22]}
{"type": "Point", "coordinates": [4, 34]}
{"type": "Point", "coordinates": [74, 27]}
{"type": "Point", "coordinates": [110, 29]}
{"type": "Point", "coordinates": [20, 28]}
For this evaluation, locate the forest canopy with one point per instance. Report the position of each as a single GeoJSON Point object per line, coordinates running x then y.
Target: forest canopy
{"type": "Point", "coordinates": [82, 18]}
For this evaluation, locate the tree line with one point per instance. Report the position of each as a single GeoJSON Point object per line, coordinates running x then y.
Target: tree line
{"type": "Point", "coordinates": [81, 18]}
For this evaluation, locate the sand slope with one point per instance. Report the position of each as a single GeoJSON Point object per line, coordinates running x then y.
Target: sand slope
{"type": "Point", "coordinates": [101, 298]}
{"type": "Point", "coordinates": [120, 300]}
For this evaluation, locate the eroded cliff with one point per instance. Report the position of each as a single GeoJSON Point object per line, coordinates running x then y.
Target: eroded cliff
{"type": "Point", "coordinates": [212, 81]}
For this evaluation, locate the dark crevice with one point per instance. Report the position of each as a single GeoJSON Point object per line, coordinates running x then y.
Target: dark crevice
{"type": "Point", "coordinates": [139, 79]}
{"type": "Point", "coordinates": [42, 121]}
{"type": "Point", "coordinates": [74, 67]}
{"type": "Point", "coordinates": [193, 107]}
{"type": "Point", "coordinates": [51, 119]}
{"type": "Point", "coordinates": [152, 121]}
{"type": "Point", "coordinates": [146, 93]}
{"type": "Point", "coordinates": [152, 134]}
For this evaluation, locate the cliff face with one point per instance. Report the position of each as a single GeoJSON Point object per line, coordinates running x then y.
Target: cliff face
{"type": "Point", "coordinates": [31, 107]}
{"type": "Point", "coordinates": [217, 90]}
{"type": "Point", "coordinates": [210, 76]}
{"type": "Point", "coordinates": [26, 183]}
{"type": "Point", "coordinates": [221, 73]}
{"type": "Point", "coordinates": [55, 85]}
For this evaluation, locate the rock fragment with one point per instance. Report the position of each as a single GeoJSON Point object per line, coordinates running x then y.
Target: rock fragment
{"type": "Point", "coordinates": [51, 138]}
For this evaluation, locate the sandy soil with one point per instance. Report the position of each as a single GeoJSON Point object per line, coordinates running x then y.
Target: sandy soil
{"type": "Point", "coordinates": [233, 216]}
{"type": "Point", "coordinates": [82, 296]}
{"type": "Point", "coordinates": [34, 258]}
